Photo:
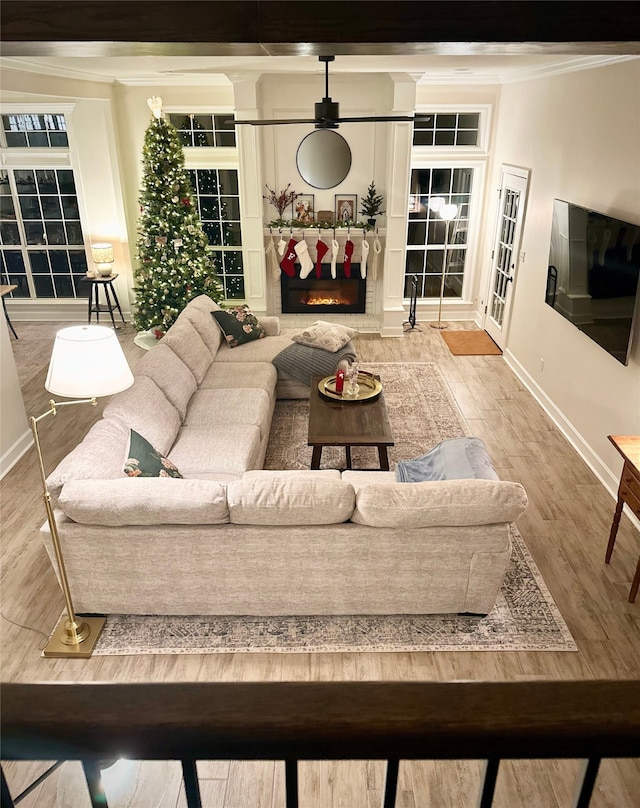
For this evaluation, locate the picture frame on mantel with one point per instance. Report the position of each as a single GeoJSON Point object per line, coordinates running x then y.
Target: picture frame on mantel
{"type": "Point", "coordinates": [324, 217]}
{"type": "Point", "coordinates": [303, 209]}
{"type": "Point", "coordinates": [346, 207]}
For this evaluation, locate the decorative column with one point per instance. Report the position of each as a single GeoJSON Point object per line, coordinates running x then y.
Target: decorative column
{"type": "Point", "coordinates": [245, 90]}
{"type": "Point", "coordinates": [397, 183]}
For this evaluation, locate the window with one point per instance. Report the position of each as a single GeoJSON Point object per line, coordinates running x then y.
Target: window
{"type": "Point", "coordinates": [35, 131]}
{"type": "Point", "coordinates": [434, 246]}
{"type": "Point", "coordinates": [41, 240]}
{"type": "Point", "coordinates": [197, 130]}
{"type": "Point", "coordinates": [452, 129]}
{"type": "Point", "coordinates": [218, 201]}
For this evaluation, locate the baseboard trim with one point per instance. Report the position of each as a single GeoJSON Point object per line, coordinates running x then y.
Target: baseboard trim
{"type": "Point", "coordinates": [594, 461]}
{"type": "Point", "coordinates": [15, 452]}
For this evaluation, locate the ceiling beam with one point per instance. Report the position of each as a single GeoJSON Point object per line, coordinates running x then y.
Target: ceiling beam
{"type": "Point", "coordinates": [276, 27]}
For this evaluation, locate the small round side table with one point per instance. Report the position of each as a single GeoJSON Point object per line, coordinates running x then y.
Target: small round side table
{"type": "Point", "coordinates": [106, 282]}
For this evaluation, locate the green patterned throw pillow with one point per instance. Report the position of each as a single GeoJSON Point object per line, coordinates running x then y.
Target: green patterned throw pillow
{"type": "Point", "coordinates": [145, 461]}
{"type": "Point", "coordinates": [238, 325]}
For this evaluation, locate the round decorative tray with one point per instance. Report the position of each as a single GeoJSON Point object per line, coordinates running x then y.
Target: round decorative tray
{"type": "Point", "coordinates": [369, 387]}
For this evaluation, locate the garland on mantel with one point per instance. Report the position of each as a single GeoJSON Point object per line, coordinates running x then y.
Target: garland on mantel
{"type": "Point", "coordinates": [294, 224]}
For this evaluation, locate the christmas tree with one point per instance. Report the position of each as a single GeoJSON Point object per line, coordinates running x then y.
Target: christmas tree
{"type": "Point", "coordinates": [174, 265]}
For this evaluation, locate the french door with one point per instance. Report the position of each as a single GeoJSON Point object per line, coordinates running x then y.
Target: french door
{"type": "Point", "coordinates": [504, 256]}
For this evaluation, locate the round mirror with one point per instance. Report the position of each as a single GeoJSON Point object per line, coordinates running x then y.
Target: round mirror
{"type": "Point", "coordinates": [323, 158]}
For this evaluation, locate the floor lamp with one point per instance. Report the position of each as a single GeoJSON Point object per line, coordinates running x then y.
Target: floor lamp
{"type": "Point", "coordinates": [446, 212]}
{"type": "Point", "coordinates": [87, 362]}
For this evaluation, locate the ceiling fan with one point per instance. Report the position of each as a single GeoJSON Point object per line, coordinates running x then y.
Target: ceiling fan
{"type": "Point", "coordinates": [327, 111]}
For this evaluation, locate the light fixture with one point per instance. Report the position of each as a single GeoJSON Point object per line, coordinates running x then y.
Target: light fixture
{"type": "Point", "coordinates": [447, 212]}
{"type": "Point", "coordinates": [87, 362]}
{"type": "Point", "coordinates": [102, 256]}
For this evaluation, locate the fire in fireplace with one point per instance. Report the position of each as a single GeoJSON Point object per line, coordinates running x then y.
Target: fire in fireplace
{"type": "Point", "coordinates": [326, 294]}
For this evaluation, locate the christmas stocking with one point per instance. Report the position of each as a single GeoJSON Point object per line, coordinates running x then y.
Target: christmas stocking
{"type": "Point", "coordinates": [346, 261]}
{"type": "Point", "coordinates": [363, 260]}
{"type": "Point", "coordinates": [321, 251]}
{"type": "Point", "coordinates": [282, 246]}
{"type": "Point", "coordinates": [306, 264]}
{"type": "Point", "coordinates": [287, 265]}
{"type": "Point", "coordinates": [334, 257]}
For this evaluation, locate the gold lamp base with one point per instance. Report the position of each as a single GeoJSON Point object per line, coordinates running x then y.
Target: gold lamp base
{"type": "Point", "coordinates": [78, 641]}
{"type": "Point", "coordinates": [440, 326]}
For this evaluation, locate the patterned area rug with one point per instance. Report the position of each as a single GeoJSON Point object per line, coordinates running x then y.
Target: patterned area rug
{"type": "Point", "coordinates": [422, 412]}
{"type": "Point", "coordinates": [525, 618]}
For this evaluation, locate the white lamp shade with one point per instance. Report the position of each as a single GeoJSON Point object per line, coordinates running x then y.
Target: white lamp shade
{"type": "Point", "coordinates": [87, 361]}
{"type": "Point", "coordinates": [102, 253]}
{"type": "Point", "coordinates": [448, 212]}
{"type": "Point", "coordinates": [435, 203]}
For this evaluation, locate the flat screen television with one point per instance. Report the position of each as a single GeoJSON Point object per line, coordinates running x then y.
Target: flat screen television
{"type": "Point", "coordinates": [593, 277]}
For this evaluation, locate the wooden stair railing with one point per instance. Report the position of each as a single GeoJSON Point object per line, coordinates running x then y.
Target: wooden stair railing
{"type": "Point", "coordinates": [388, 721]}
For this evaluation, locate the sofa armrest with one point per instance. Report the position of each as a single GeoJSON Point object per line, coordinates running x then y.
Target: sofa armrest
{"type": "Point", "coordinates": [271, 325]}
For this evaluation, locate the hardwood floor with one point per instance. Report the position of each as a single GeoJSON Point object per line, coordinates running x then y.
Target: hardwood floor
{"type": "Point", "coordinates": [565, 527]}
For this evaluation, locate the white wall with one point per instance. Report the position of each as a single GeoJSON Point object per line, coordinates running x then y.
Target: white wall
{"type": "Point", "coordinates": [579, 134]}
{"type": "Point", "coordinates": [15, 434]}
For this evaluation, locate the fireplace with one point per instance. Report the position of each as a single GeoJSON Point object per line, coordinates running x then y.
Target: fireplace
{"type": "Point", "coordinates": [313, 295]}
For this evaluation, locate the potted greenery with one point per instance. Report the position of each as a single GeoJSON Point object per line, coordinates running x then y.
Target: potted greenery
{"type": "Point", "coordinates": [371, 205]}
{"type": "Point", "coordinates": [280, 201]}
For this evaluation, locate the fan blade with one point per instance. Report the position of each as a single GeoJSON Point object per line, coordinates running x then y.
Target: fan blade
{"type": "Point", "coordinates": [282, 122]}
{"type": "Point", "coordinates": [376, 118]}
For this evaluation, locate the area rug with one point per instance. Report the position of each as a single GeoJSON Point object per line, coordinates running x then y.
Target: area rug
{"type": "Point", "coordinates": [422, 412]}
{"type": "Point", "coordinates": [525, 618]}
{"type": "Point", "coordinates": [470, 343]}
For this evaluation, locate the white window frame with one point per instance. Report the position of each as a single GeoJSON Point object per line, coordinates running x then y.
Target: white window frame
{"type": "Point", "coordinates": [471, 264]}
{"type": "Point", "coordinates": [220, 157]}
{"type": "Point", "coordinates": [17, 158]}
{"type": "Point", "coordinates": [484, 129]}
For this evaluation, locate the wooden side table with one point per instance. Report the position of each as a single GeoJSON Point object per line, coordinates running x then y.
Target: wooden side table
{"type": "Point", "coordinates": [628, 492]}
{"type": "Point", "coordinates": [106, 282]}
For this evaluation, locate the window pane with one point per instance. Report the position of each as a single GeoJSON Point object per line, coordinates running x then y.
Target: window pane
{"type": "Point", "coordinates": [230, 207]}
{"type": "Point", "coordinates": [34, 232]}
{"type": "Point", "coordinates": [445, 121]}
{"type": "Point", "coordinates": [225, 139]}
{"type": "Point", "coordinates": [440, 181]}
{"type": "Point", "coordinates": [423, 138]}
{"type": "Point", "coordinates": [70, 207]}
{"type": "Point", "coordinates": [469, 120]}
{"type": "Point", "coordinates": [207, 181]}
{"type": "Point", "coordinates": [47, 182]}
{"type": "Point", "coordinates": [233, 262]}
{"type": "Point", "coordinates": [415, 262]}
{"type": "Point", "coordinates": [59, 139]}
{"type": "Point", "coordinates": [78, 260]}
{"type": "Point", "coordinates": [37, 140]}
{"type": "Point", "coordinates": [66, 182]}
{"type": "Point", "coordinates": [213, 232]}
{"type": "Point", "coordinates": [228, 182]}
{"type": "Point", "coordinates": [209, 207]}
{"type": "Point", "coordinates": [64, 286]}
{"type": "Point", "coordinates": [30, 207]}
{"type": "Point", "coordinates": [39, 262]}
{"type": "Point", "coordinates": [51, 207]}
{"type": "Point", "coordinates": [44, 286]}
{"type": "Point", "coordinates": [9, 233]}
{"type": "Point", "coordinates": [25, 182]}
{"type": "Point", "coordinates": [445, 138]}
{"type": "Point", "coordinates": [16, 139]}
{"type": "Point", "coordinates": [417, 233]}
{"type": "Point", "coordinates": [55, 233]}
{"type": "Point", "coordinates": [231, 234]}
{"type": "Point", "coordinates": [467, 138]}
{"type": "Point", "coordinates": [59, 261]}
{"type": "Point", "coordinates": [6, 208]}
{"type": "Point", "coordinates": [14, 273]}
{"type": "Point", "coordinates": [74, 233]}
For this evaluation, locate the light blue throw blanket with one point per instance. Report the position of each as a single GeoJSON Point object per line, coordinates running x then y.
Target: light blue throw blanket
{"type": "Point", "coordinates": [454, 459]}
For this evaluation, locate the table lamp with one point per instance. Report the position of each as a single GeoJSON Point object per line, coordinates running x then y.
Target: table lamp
{"type": "Point", "coordinates": [102, 256]}
{"type": "Point", "coordinates": [87, 362]}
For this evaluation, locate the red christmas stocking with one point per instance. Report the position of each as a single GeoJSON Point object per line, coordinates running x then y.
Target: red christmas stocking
{"type": "Point", "coordinates": [288, 263]}
{"type": "Point", "coordinates": [321, 250]}
{"type": "Point", "coordinates": [346, 261]}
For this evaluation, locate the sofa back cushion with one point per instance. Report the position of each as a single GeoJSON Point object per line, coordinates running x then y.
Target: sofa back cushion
{"type": "Point", "coordinates": [171, 375]}
{"type": "Point", "coordinates": [440, 503]}
{"type": "Point", "coordinates": [198, 313]}
{"type": "Point", "coordinates": [184, 339]}
{"type": "Point", "coordinates": [99, 456]}
{"type": "Point", "coordinates": [145, 501]}
{"type": "Point", "coordinates": [288, 501]}
{"type": "Point", "coordinates": [145, 408]}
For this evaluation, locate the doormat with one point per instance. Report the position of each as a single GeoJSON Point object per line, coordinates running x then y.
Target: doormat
{"type": "Point", "coordinates": [470, 343]}
{"type": "Point", "coordinates": [525, 618]}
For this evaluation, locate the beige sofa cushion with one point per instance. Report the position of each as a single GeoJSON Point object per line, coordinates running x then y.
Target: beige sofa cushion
{"type": "Point", "coordinates": [289, 501]}
{"type": "Point", "coordinates": [145, 501]}
{"type": "Point", "coordinates": [260, 350]}
{"type": "Point", "coordinates": [207, 449]}
{"type": "Point", "coordinates": [238, 406]}
{"type": "Point", "coordinates": [184, 339]}
{"type": "Point", "coordinates": [171, 375]}
{"type": "Point", "coordinates": [235, 375]}
{"type": "Point", "coordinates": [145, 408]}
{"type": "Point", "coordinates": [99, 456]}
{"type": "Point", "coordinates": [198, 313]}
{"type": "Point", "coordinates": [291, 474]}
{"type": "Point", "coordinates": [443, 502]}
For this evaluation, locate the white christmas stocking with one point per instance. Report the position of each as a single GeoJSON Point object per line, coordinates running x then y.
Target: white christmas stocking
{"type": "Point", "coordinates": [363, 260]}
{"type": "Point", "coordinates": [306, 264]}
{"type": "Point", "coordinates": [335, 247]}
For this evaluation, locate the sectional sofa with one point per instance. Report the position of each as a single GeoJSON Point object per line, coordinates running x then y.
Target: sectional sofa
{"type": "Point", "coordinates": [232, 538]}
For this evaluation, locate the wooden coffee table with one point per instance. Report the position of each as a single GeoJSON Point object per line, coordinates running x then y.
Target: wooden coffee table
{"type": "Point", "coordinates": [348, 423]}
